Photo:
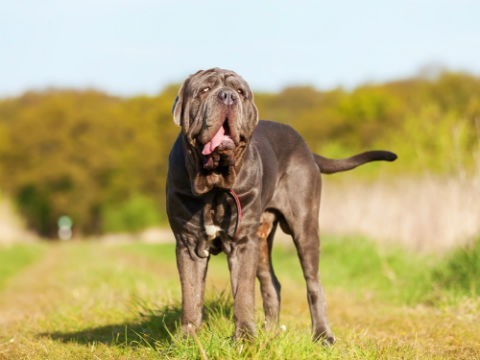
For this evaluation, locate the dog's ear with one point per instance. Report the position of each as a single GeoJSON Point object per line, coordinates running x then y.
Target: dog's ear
{"type": "Point", "coordinates": [178, 105]}
{"type": "Point", "coordinates": [176, 111]}
{"type": "Point", "coordinates": [180, 108]}
{"type": "Point", "coordinates": [177, 108]}
{"type": "Point", "coordinates": [254, 112]}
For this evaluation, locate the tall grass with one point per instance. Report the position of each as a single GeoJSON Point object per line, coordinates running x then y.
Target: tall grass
{"type": "Point", "coordinates": [428, 213]}
{"type": "Point", "coordinates": [461, 270]}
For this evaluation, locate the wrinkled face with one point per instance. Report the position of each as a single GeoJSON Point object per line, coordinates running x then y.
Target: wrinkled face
{"type": "Point", "coordinates": [217, 114]}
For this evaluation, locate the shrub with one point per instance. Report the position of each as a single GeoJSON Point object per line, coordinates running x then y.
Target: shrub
{"type": "Point", "coordinates": [135, 214]}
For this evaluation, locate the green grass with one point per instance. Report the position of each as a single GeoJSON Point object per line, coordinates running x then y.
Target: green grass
{"type": "Point", "coordinates": [460, 272]}
{"type": "Point", "coordinates": [16, 257]}
{"type": "Point", "coordinates": [93, 300]}
{"type": "Point", "coordinates": [358, 266]}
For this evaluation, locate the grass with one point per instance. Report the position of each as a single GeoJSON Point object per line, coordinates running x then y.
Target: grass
{"type": "Point", "coordinates": [16, 257]}
{"type": "Point", "coordinates": [102, 301]}
{"type": "Point", "coordinates": [461, 272]}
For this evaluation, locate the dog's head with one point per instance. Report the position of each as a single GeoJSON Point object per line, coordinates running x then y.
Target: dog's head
{"type": "Point", "coordinates": [216, 112]}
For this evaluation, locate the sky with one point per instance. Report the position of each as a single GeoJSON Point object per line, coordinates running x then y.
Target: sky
{"type": "Point", "coordinates": [133, 47]}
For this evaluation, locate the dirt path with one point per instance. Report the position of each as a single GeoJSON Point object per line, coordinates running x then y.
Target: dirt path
{"type": "Point", "coordinates": [36, 289]}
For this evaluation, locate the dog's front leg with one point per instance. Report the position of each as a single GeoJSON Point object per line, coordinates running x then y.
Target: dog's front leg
{"type": "Point", "coordinates": [242, 261]}
{"type": "Point", "coordinates": [193, 271]}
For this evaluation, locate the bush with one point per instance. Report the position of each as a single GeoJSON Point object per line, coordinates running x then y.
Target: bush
{"type": "Point", "coordinates": [76, 151]}
{"type": "Point", "coordinates": [135, 214]}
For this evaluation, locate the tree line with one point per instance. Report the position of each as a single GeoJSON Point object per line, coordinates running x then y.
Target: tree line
{"type": "Point", "coordinates": [102, 159]}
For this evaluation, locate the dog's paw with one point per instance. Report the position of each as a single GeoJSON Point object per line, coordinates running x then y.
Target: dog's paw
{"type": "Point", "coordinates": [324, 337]}
{"type": "Point", "coordinates": [189, 329]}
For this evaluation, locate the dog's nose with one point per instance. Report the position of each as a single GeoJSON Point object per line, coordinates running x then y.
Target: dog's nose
{"type": "Point", "coordinates": [228, 97]}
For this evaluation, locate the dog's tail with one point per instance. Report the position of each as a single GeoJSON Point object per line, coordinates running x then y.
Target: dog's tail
{"type": "Point", "coordinates": [331, 166]}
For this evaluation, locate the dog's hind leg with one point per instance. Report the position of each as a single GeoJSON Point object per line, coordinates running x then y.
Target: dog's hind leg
{"type": "Point", "coordinates": [307, 244]}
{"type": "Point", "coordinates": [300, 219]}
{"type": "Point", "coordinates": [269, 284]}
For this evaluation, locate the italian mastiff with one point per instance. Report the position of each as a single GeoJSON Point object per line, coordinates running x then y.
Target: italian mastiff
{"type": "Point", "coordinates": [231, 180]}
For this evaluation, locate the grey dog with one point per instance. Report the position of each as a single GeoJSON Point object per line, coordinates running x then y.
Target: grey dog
{"type": "Point", "coordinates": [226, 163]}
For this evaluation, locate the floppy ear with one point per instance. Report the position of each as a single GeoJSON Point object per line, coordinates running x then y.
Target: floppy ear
{"type": "Point", "coordinates": [254, 112]}
{"type": "Point", "coordinates": [177, 110]}
{"type": "Point", "coordinates": [178, 105]}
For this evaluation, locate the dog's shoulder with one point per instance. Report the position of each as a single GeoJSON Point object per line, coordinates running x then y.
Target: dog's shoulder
{"type": "Point", "coordinates": [177, 152]}
{"type": "Point", "coordinates": [177, 171]}
{"type": "Point", "coordinates": [281, 137]}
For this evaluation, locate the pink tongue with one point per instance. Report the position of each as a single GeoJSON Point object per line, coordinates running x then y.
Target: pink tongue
{"type": "Point", "coordinates": [217, 139]}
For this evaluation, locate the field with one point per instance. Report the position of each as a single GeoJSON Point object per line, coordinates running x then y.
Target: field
{"type": "Point", "coordinates": [95, 300]}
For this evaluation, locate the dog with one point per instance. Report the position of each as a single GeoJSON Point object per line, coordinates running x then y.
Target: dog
{"type": "Point", "coordinates": [232, 179]}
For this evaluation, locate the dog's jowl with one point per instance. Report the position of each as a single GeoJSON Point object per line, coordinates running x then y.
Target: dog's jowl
{"type": "Point", "coordinates": [232, 180]}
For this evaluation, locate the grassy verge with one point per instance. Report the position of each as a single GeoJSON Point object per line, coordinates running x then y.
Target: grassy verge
{"type": "Point", "coordinates": [460, 271]}
{"type": "Point", "coordinates": [93, 300]}
{"type": "Point", "coordinates": [16, 257]}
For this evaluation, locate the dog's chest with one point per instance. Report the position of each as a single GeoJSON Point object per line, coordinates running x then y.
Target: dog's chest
{"type": "Point", "coordinates": [212, 231]}
{"type": "Point", "coordinates": [220, 217]}
{"type": "Point", "coordinates": [216, 212]}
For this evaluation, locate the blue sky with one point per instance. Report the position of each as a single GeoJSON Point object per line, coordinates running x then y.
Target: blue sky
{"type": "Point", "coordinates": [131, 47]}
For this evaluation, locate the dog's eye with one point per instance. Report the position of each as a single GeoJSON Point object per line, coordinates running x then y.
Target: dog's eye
{"type": "Point", "coordinates": [205, 89]}
{"type": "Point", "coordinates": [241, 92]}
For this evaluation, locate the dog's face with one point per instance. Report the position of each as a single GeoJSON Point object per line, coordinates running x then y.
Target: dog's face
{"type": "Point", "coordinates": [217, 114]}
